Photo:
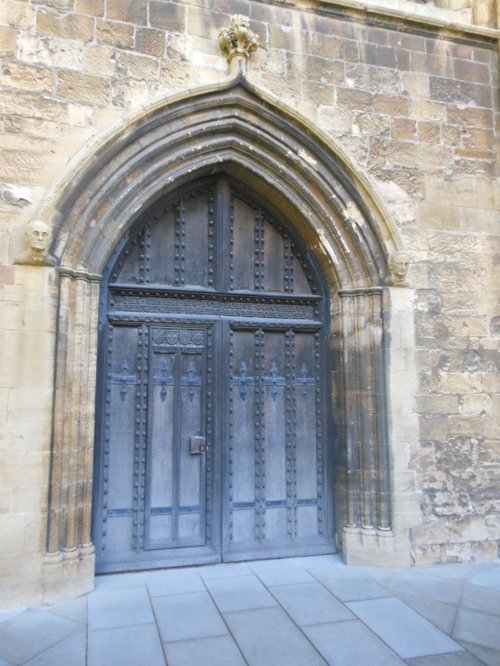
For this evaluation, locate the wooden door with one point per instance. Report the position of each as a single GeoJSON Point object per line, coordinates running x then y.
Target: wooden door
{"type": "Point", "coordinates": [212, 441]}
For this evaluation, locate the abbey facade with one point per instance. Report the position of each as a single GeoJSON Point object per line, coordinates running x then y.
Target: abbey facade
{"type": "Point", "coordinates": [249, 285]}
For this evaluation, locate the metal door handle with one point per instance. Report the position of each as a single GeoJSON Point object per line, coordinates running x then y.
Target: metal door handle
{"type": "Point", "coordinates": [197, 445]}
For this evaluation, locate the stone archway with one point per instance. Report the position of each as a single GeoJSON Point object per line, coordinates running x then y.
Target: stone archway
{"type": "Point", "coordinates": [242, 132]}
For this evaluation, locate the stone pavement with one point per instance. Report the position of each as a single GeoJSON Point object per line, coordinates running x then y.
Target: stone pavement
{"type": "Point", "coordinates": [293, 612]}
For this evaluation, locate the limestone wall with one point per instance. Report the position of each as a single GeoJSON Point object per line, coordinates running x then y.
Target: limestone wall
{"type": "Point", "coordinates": [413, 103]}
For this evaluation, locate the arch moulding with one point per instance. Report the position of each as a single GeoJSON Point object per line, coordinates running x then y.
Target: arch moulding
{"type": "Point", "coordinates": [276, 154]}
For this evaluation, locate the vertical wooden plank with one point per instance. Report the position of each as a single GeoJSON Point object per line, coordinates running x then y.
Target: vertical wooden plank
{"type": "Point", "coordinates": [242, 431]}
{"type": "Point", "coordinates": [159, 254]}
{"type": "Point", "coordinates": [274, 259]}
{"type": "Point", "coordinates": [192, 244]}
{"type": "Point", "coordinates": [244, 266]}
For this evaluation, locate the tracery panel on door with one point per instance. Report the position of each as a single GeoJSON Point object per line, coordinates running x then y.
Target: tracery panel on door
{"type": "Point", "coordinates": [213, 437]}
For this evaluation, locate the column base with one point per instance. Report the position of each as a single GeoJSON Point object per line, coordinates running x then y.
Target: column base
{"type": "Point", "coordinates": [369, 547]}
{"type": "Point", "coordinates": [68, 574]}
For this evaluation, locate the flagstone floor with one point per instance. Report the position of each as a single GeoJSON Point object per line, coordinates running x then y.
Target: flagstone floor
{"type": "Point", "coordinates": [291, 612]}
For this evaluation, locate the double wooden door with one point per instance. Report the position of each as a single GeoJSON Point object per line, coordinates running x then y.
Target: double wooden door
{"type": "Point", "coordinates": [213, 431]}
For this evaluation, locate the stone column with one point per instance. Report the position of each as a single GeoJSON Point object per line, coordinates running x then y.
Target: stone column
{"type": "Point", "coordinates": [367, 526]}
{"type": "Point", "coordinates": [69, 563]}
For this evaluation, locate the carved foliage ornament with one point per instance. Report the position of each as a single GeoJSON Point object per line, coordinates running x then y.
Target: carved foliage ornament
{"type": "Point", "coordinates": [238, 39]}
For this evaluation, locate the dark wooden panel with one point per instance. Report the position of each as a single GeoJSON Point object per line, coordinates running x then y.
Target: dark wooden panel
{"type": "Point", "coordinates": [213, 435]}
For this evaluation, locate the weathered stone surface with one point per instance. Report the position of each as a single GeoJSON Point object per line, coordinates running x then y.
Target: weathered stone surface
{"type": "Point", "coordinates": [150, 42]}
{"type": "Point", "coordinates": [114, 33]}
{"type": "Point", "coordinates": [83, 87]}
{"type": "Point", "coordinates": [71, 26]}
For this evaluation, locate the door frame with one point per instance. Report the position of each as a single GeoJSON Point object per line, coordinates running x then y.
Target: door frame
{"type": "Point", "coordinates": [341, 219]}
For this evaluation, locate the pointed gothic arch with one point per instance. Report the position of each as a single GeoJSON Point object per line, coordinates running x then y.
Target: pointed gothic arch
{"type": "Point", "coordinates": [238, 130]}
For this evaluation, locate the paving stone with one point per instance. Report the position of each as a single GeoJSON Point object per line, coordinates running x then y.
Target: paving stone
{"type": "Point", "coordinates": [126, 646]}
{"type": "Point", "coordinates": [482, 599]}
{"type": "Point", "coordinates": [117, 608]}
{"type": "Point", "coordinates": [452, 659]}
{"type": "Point", "coordinates": [267, 636]}
{"type": "Point", "coordinates": [225, 570]}
{"type": "Point", "coordinates": [174, 581]}
{"type": "Point", "coordinates": [75, 610]}
{"type": "Point", "coordinates": [239, 593]}
{"type": "Point", "coordinates": [72, 650]}
{"type": "Point", "coordinates": [404, 630]}
{"type": "Point", "coordinates": [426, 586]}
{"type": "Point", "coordinates": [310, 603]}
{"type": "Point", "coordinates": [183, 616]}
{"type": "Point", "coordinates": [351, 643]}
{"type": "Point", "coordinates": [489, 577]}
{"type": "Point", "coordinates": [348, 585]}
{"type": "Point", "coordinates": [441, 615]}
{"type": "Point", "coordinates": [31, 633]}
{"type": "Point", "coordinates": [120, 581]}
{"type": "Point", "coordinates": [8, 614]}
{"type": "Point", "coordinates": [478, 628]}
{"type": "Point", "coordinates": [485, 655]}
{"type": "Point", "coordinates": [220, 650]}
{"type": "Point", "coordinates": [281, 572]}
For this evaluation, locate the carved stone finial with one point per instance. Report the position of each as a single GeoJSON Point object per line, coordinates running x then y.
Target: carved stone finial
{"type": "Point", "coordinates": [37, 236]}
{"type": "Point", "coordinates": [399, 262]}
{"type": "Point", "coordinates": [238, 39]}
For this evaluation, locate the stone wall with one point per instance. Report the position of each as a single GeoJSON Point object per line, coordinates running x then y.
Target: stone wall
{"type": "Point", "coordinates": [411, 101]}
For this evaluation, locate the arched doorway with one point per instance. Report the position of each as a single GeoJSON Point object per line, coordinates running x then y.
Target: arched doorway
{"type": "Point", "coordinates": [212, 441]}
{"type": "Point", "coordinates": [297, 175]}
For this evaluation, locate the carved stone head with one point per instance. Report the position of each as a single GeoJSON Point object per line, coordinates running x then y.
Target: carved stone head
{"type": "Point", "coordinates": [37, 235]}
{"type": "Point", "coordinates": [399, 262]}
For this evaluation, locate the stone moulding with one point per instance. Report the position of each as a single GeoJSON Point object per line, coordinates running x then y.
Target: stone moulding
{"type": "Point", "coordinates": [238, 130]}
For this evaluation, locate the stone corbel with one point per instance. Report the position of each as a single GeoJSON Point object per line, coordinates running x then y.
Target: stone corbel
{"type": "Point", "coordinates": [399, 263]}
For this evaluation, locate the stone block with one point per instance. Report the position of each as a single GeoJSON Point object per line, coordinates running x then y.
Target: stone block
{"type": "Point", "coordinates": [429, 132]}
{"type": "Point", "coordinates": [395, 106]}
{"type": "Point", "coordinates": [379, 56]}
{"type": "Point", "coordinates": [403, 129]}
{"type": "Point", "coordinates": [368, 77]}
{"type": "Point", "coordinates": [100, 59]}
{"type": "Point", "coordinates": [475, 72]}
{"type": "Point", "coordinates": [458, 115]}
{"type": "Point", "coordinates": [208, 24]}
{"type": "Point", "coordinates": [138, 66]}
{"type": "Point", "coordinates": [129, 11]}
{"type": "Point", "coordinates": [50, 51]}
{"type": "Point", "coordinates": [167, 16]}
{"type": "Point", "coordinates": [12, 529]}
{"type": "Point", "coordinates": [129, 94]}
{"type": "Point", "coordinates": [150, 42]}
{"type": "Point", "coordinates": [354, 99]}
{"type": "Point", "coordinates": [484, 13]}
{"type": "Point", "coordinates": [26, 77]}
{"type": "Point", "coordinates": [17, 14]}
{"type": "Point", "coordinates": [7, 42]}
{"type": "Point", "coordinates": [415, 84]}
{"type": "Point", "coordinates": [180, 47]}
{"type": "Point", "coordinates": [114, 33]}
{"type": "Point", "coordinates": [177, 75]}
{"type": "Point", "coordinates": [90, 7]}
{"type": "Point", "coordinates": [427, 63]}
{"type": "Point", "coordinates": [318, 44]}
{"type": "Point", "coordinates": [462, 92]}
{"type": "Point", "coordinates": [63, 5]}
{"type": "Point", "coordinates": [70, 26]}
{"type": "Point", "coordinates": [83, 87]}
